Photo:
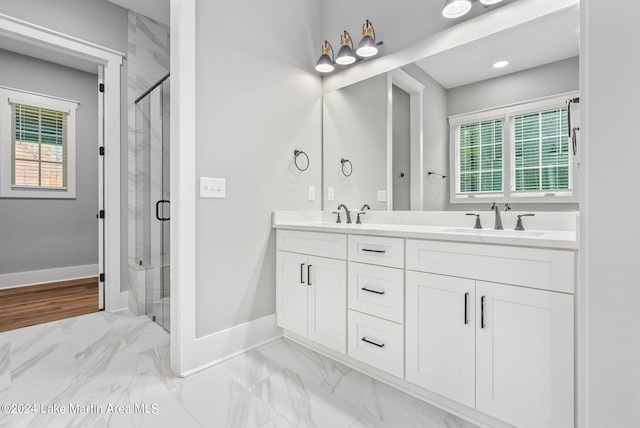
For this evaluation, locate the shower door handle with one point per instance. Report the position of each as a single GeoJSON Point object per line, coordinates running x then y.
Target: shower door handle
{"type": "Point", "coordinates": [161, 201]}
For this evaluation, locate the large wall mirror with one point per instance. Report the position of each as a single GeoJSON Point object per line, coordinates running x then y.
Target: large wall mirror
{"type": "Point", "coordinates": [386, 139]}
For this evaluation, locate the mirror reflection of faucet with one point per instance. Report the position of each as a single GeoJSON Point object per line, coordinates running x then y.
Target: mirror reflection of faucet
{"type": "Point", "coordinates": [498, 223]}
{"type": "Point", "coordinates": [364, 207]}
{"type": "Point", "coordinates": [477, 225]}
{"type": "Point", "coordinates": [346, 210]}
{"type": "Point", "coordinates": [519, 225]}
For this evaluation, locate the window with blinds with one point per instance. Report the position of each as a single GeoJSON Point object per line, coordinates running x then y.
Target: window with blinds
{"type": "Point", "coordinates": [39, 147]}
{"type": "Point", "coordinates": [480, 157]}
{"type": "Point", "coordinates": [516, 152]}
{"type": "Point", "coordinates": [541, 151]}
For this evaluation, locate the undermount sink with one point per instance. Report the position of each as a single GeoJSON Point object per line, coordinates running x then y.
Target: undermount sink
{"type": "Point", "coordinates": [493, 232]}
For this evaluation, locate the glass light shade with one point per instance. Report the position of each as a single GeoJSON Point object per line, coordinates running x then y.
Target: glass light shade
{"type": "Point", "coordinates": [455, 8]}
{"type": "Point", "coordinates": [345, 55]}
{"type": "Point", "coordinates": [501, 63]}
{"type": "Point", "coordinates": [489, 2]}
{"type": "Point", "coordinates": [367, 47]}
{"type": "Point", "coordinates": [324, 64]}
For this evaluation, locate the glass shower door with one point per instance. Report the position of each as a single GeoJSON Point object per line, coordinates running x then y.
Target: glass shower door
{"type": "Point", "coordinates": [152, 128]}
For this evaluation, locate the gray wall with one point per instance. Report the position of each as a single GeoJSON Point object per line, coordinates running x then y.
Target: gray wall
{"type": "Point", "coordinates": [258, 100]}
{"type": "Point", "coordinates": [355, 128]}
{"type": "Point", "coordinates": [96, 21]}
{"type": "Point", "coordinates": [545, 80]}
{"type": "Point", "coordinates": [610, 241]}
{"type": "Point", "coordinates": [43, 234]}
{"type": "Point", "coordinates": [401, 157]}
{"type": "Point", "coordinates": [435, 139]}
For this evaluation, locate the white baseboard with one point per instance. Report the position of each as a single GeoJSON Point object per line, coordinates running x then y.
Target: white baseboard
{"type": "Point", "coordinates": [21, 279]}
{"type": "Point", "coordinates": [218, 347]}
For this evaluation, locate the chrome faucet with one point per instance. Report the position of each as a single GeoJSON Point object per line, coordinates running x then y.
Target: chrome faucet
{"type": "Point", "coordinates": [364, 207]}
{"type": "Point", "coordinates": [346, 211]}
{"type": "Point", "coordinates": [498, 225]}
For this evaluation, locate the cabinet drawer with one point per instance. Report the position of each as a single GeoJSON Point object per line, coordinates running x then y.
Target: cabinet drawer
{"type": "Point", "coordinates": [530, 267]}
{"type": "Point", "coordinates": [377, 291]}
{"type": "Point", "coordinates": [377, 342]}
{"type": "Point", "coordinates": [377, 250]}
{"type": "Point", "coordinates": [331, 245]}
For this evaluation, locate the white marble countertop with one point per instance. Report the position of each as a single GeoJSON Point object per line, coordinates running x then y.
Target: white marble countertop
{"type": "Point", "coordinates": [558, 231]}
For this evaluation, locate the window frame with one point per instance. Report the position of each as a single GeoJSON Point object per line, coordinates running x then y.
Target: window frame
{"type": "Point", "coordinates": [507, 113]}
{"type": "Point", "coordinates": [10, 96]}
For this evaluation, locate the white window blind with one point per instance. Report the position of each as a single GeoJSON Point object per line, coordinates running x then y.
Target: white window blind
{"type": "Point", "coordinates": [541, 151]}
{"type": "Point", "coordinates": [39, 147]}
{"type": "Point", "coordinates": [480, 157]}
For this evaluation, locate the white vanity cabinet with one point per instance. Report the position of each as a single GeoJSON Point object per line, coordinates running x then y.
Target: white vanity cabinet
{"type": "Point", "coordinates": [311, 291]}
{"type": "Point", "coordinates": [488, 326]}
{"type": "Point", "coordinates": [506, 350]}
{"type": "Point", "coordinates": [376, 302]}
{"type": "Point", "coordinates": [441, 335]}
{"type": "Point", "coordinates": [524, 356]}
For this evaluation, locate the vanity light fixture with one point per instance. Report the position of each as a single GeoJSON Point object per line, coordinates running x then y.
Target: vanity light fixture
{"type": "Point", "coordinates": [457, 8]}
{"type": "Point", "coordinates": [346, 55]}
{"type": "Point", "coordinates": [367, 46]}
{"type": "Point", "coordinates": [500, 64]}
{"type": "Point", "coordinates": [325, 62]}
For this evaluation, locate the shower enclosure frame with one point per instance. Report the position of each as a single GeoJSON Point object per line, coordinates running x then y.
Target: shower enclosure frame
{"type": "Point", "coordinates": [152, 230]}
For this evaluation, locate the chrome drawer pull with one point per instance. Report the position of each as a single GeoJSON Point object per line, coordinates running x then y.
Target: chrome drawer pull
{"type": "Point", "coordinates": [367, 250]}
{"type": "Point", "coordinates": [379, 345]}
{"type": "Point", "coordinates": [372, 291]}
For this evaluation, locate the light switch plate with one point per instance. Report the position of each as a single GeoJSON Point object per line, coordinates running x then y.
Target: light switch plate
{"type": "Point", "coordinates": [213, 188]}
{"type": "Point", "coordinates": [330, 193]}
{"type": "Point", "coordinates": [382, 196]}
{"type": "Point", "coordinates": [312, 193]}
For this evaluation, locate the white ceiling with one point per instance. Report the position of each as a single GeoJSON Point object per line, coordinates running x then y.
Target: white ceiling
{"type": "Point", "coordinates": [548, 39]}
{"type": "Point", "coordinates": [158, 10]}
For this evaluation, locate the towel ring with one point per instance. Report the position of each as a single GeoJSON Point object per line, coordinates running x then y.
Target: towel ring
{"type": "Point", "coordinates": [297, 153]}
{"type": "Point", "coordinates": [344, 161]}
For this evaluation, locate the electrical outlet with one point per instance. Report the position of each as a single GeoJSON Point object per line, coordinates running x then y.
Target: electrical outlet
{"type": "Point", "coordinates": [330, 193]}
{"type": "Point", "coordinates": [213, 188]}
{"type": "Point", "coordinates": [312, 193]}
{"type": "Point", "coordinates": [382, 196]}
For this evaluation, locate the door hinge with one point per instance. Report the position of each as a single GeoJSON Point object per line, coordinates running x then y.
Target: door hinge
{"type": "Point", "coordinates": [101, 151]}
{"type": "Point", "coordinates": [101, 277]}
{"type": "Point", "coordinates": [101, 87]}
{"type": "Point", "coordinates": [101, 214]}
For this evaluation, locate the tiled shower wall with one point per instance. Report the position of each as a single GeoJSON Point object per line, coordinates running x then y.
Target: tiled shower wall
{"type": "Point", "coordinates": [148, 62]}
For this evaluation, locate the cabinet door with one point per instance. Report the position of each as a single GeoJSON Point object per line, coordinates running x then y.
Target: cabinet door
{"type": "Point", "coordinates": [328, 302]}
{"type": "Point", "coordinates": [440, 335]}
{"type": "Point", "coordinates": [524, 371]}
{"type": "Point", "coordinates": [291, 292]}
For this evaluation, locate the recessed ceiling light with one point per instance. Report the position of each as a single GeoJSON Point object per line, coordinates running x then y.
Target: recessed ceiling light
{"type": "Point", "coordinates": [489, 2]}
{"type": "Point", "coordinates": [501, 63]}
{"type": "Point", "coordinates": [455, 8]}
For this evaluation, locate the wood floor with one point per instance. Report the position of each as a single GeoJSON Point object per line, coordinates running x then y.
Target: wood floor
{"type": "Point", "coordinates": [37, 304]}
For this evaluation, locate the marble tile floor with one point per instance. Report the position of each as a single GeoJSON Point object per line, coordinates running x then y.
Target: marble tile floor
{"type": "Point", "coordinates": [112, 370]}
